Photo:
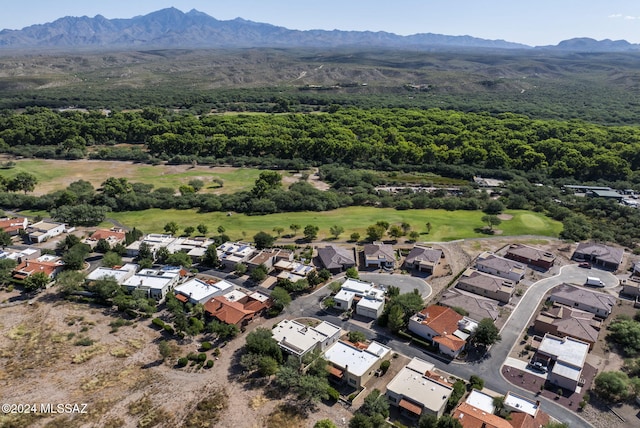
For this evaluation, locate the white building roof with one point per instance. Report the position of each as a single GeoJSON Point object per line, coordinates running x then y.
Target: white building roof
{"type": "Point", "coordinates": [120, 274]}
{"type": "Point", "coordinates": [521, 404]}
{"type": "Point", "coordinates": [152, 279]}
{"type": "Point", "coordinates": [420, 366]}
{"type": "Point", "coordinates": [199, 290]}
{"type": "Point", "coordinates": [371, 303]}
{"type": "Point", "coordinates": [419, 388]}
{"type": "Point", "coordinates": [356, 361]}
{"type": "Point", "coordinates": [298, 338]}
{"type": "Point", "coordinates": [564, 349]}
{"type": "Point", "coordinates": [356, 286]}
{"type": "Point", "coordinates": [566, 370]}
{"type": "Point", "coordinates": [480, 400]}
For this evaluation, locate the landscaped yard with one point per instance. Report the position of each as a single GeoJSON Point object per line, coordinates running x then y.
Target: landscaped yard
{"type": "Point", "coordinates": [445, 225]}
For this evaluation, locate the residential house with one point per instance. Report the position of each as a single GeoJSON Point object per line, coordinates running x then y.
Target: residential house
{"type": "Point", "coordinates": [232, 253]}
{"type": "Point", "coordinates": [472, 417]}
{"type": "Point", "coordinates": [477, 307]}
{"type": "Point", "coordinates": [599, 254]}
{"type": "Point", "coordinates": [564, 321]}
{"type": "Point", "coordinates": [154, 241]}
{"type": "Point", "coordinates": [13, 226]}
{"type": "Point", "coordinates": [599, 304]}
{"type": "Point", "coordinates": [480, 400]}
{"type": "Point", "coordinates": [336, 259]}
{"type": "Point", "coordinates": [197, 291]}
{"type": "Point", "coordinates": [45, 230]}
{"type": "Point", "coordinates": [415, 393]}
{"type": "Point", "coordinates": [118, 273]}
{"type": "Point", "coordinates": [155, 282]}
{"type": "Point", "coordinates": [355, 365]}
{"type": "Point", "coordinates": [295, 338]}
{"type": "Point", "coordinates": [268, 257]}
{"type": "Point", "coordinates": [443, 326]}
{"type": "Point", "coordinates": [380, 255]}
{"type": "Point", "coordinates": [531, 256]}
{"type": "Point", "coordinates": [195, 248]}
{"type": "Point", "coordinates": [486, 285]}
{"type": "Point", "coordinates": [20, 253]}
{"type": "Point", "coordinates": [424, 259]}
{"type": "Point", "coordinates": [566, 356]}
{"type": "Point", "coordinates": [237, 307]}
{"type": "Point", "coordinates": [50, 265]}
{"type": "Point", "coordinates": [492, 264]}
{"type": "Point", "coordinates": [369, 299]}
{"type": "Point", "coordinates": [631, 285]}
{"type": "Point", "coordinates": [293, 271]}
{"type": "Point", "coordinates": [525, 413]}
{"type": "Point", "coordinates": [113, 236]}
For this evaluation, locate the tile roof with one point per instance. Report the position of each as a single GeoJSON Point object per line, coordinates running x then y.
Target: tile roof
{"type": "Point", "coordinates": [485, 281]}
{"type": "Point", "coordinates": [477, 306]}
{"type": "Point", "coordinates": [232, 312]}
{"type": "Point", "coordinates": [523, 420]}
{"type": "Point", "coordinates": [380, 251]}
{"type": "Point", "coordinates": [583, 296]}
{"type": "Point", "coordinates": [441, 319]}
{"type": "Point", "coordinates": [530, 253]}
{"type": "Point", "coordinates": [334, 257]}
{"type": "Point", "coordinates": [423, 254]}
{"type": "Point", "coordinates": [471, 417]}
{"type": "Point", "coordinates": [601, 252]}
{"type": "Point", "coordinates": [450, 341]}
{"type": "Point", "coordinates": [108, 234]}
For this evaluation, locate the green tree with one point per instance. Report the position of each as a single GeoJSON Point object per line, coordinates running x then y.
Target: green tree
{"type": "Point", "coordinates": [189, 230]}
{"type": "Point", "coordinates": [336, 231]}
{"type": "Point", "coordinates": [267, 366]}
{"type": "Point", "coordinates": [494, 207]}
{"type": "Point", "coordinates": [179, 258]}
{"type": "Point", "coordinates": [165, 349]}
{"type": "Point", "coordinates": [5, 239]}
{"type": "Point", "coordinates": [23, 182]}
{"type": "Point", "coordinates": [196, 184]}
{"type": "Point", "coordinates": [428, 421]}
{"type": "Point", "coordinates": [396, 318]}
{"type": "Point", "coordinates": [375, 404]}
{"type": "Point", "coordinates": [354, 237]}
{"type": "Point", "coordinates": [259, 273]}
{"type": "Point", "coordinates": [278, 230]}
{"type": "Point", "coordinates": [261, 342]}
{"type": "Point", "coordinates": [210, 257]}
{"type": "Point", "coordinates": [240, 268]}
{"type": "Point", "coordinates": [428, 226]}
{"type": "Point", "coordinates": [280, 297]}
{"type": "Point", "coordinates": [352, 272]}
{"type": "Point", "coordinates": [553, 424]}
{"type": "Point", "coordinates": [294, 228]}
{"type": "Point", "coordinates": [70, 281]}
{"type": "Point", "coordinates": [491, 221]}
{"type": "Point", "coordinates": [263, 240]}
{"type": "Point", "coordinates": [487, 333]}
{"type": "Point", "coordinates": [613, 387]}
{"type": "Point", "coordinates": [116, 187]}
{"type": "Point", "coordinates": [171, 227]}
{"type": "Point", "coordinates": [202, 229]}
{"type": "Point", "coordinates": [310, 232]}
{"type": "Point", "coordinates": [102, 246]}
{"type": "Point", "coordinates": [395, 231]}
{"type": "Point", "coordinates": [447, 421]}
{"type": "Point", "coordinates": [325, 423]}
{"type": "Point", "coordinates": [406, 227]}
{"type": "Point", "coordinates": [74, 257]}
{"type": "Point", "coordinates": [357, 336]}
{"type": "Point", "coordinates": [476, 382]}
{"type": "Point", "coordinates": [221, 229]}
{"type": "Point", "coordinates": [111, 259]}
{"type": "Point", "coordinates": [375, 232]}
{"type": "Point", "coordinates": [414, 236]}
{"type": "Point", "coordinates": [36, 281]}
{"type": "Point", "coordinates": [626, 334]}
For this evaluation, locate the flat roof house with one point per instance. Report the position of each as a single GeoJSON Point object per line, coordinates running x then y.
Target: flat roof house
{"type": "Point", "coordinates": [336, 259]}
{"type": "Point", "coordinates": [45, 230]}
{"type": "Point", "coordinates": [232, 253]}
{"type": "Point", "coordinates": [599, 304]}
{"type": "Point", "coordinates": [415, 393]}
{"type": "Point", "coordinates": [154, 241]}
{"type": "Point", "coordinates": [297, 339]}
{"type": "Point", "coordinates": [369, 299]}
{"type": "Point", "coordinates": [486, 285]}
{"type": "Point", "coordinates": [268, 257]}
{"type": "Point", "coordinates": [379, 254]}
{"type": "Point", "coordinates": [568, 356]}
{"type": "Point", "coordinates": [531, 256]}
{"type": "Point", "coordinates": [492, 264]}
{"type": "Point", "coordinates": [599, 254]}
{"type": "Point", "coordinates": [155, 282]}
{"type": "Point", "coordinates": [424, 259]}
{"type": "Point", "coordinates": [119, 273]}
{"type": "Point", "coordinates": [355, 366]}
{"type": "Point", "coordinates": [198, 291]}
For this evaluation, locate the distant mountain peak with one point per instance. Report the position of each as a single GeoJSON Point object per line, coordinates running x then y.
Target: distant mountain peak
{"type": "Point", "coordinates": [172, 28]}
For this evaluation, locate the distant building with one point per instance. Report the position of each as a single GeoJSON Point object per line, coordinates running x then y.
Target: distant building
{"type": "Point", "coordinates": [13, 226]}
{"type": "Point", "coordinates": [602, 255]}
{"type": "Point", "coordinates": [531, 256]}
{"type": "Point", "coordinates": [336, 259]}
{"type": "Point", "coordinates": [154, 241]}
{"type": "Point", "coordinates": [44, 230]}
{"type": "Point", "coordinates": [379, 254]}
{"type": "Point", "coordinates": [424, 259]}
{"type": "Point", "coordinates": [415, 393]}
{"type": "Point", "coordinates": [113, 236]}
{"type": "Point", "coordinates": [492, 264]}
{"type": "Point", "coordinates": [232, 253]}
{"type": "Point", "coordinates": [48, 264]}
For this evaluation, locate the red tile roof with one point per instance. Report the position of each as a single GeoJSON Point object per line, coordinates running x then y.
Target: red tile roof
{"type": "Point", "coordinates": [233, 312]}
{"type": "Point", "coordinates": [472, 417]}
{"type": "Point", "coordinates": [413, 408]}
{"type": "Point", "coordinates": [115, 235]}
{"type": "Point", "coordinates": [524, 420]}
{"type": "Point", "coordinates": [450, 341]}
{"type": "Point", "coordinates": [29, 267]}
{"type": "Point", "coordinates": [12, 224]}
{"type": "Point", "coordinates": [441, 319]}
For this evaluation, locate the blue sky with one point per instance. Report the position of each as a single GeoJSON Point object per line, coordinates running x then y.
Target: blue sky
{"type": "Point", "coordinates": [536, 23]}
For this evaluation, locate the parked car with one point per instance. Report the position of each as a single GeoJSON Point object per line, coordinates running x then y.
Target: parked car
{"type": "Point", "coordinates": [585, 265]}
{"type": "Point", "coordinates": [537, 366]}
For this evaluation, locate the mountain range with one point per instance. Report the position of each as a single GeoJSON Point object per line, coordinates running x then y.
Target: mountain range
{"type": "Point", "coordinates": [172, 28]}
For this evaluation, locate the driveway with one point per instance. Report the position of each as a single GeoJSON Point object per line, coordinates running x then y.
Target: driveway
{"type": "Point", "coordinates": [405, 283]}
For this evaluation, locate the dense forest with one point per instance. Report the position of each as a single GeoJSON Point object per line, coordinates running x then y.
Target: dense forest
{"type": "Point", "coordinates": [380, 138]}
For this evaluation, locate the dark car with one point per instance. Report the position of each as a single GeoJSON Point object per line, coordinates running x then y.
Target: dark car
{"type": "Point", "coordinates": [585, 265]}
{"type": "Point", "coordinates": [537, 366]}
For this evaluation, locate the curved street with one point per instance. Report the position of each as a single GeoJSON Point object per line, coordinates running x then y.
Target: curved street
{"type": "Point", "coordinates": [489, 368]}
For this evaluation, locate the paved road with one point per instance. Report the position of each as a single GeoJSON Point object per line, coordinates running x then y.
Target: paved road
{"type": "Point", "coordinates": [489, 368]}
{"type": "Point", "coordinates": [406, 283]}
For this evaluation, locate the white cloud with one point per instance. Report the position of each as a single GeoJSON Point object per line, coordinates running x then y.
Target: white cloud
{"type": "Point", "coordinates": [616, 15]}
{"type": "Point", "coordinates": [629, 18]}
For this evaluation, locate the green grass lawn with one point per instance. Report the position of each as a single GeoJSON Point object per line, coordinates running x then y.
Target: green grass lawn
{"type": "Point", "coordinates": [445, 225]}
